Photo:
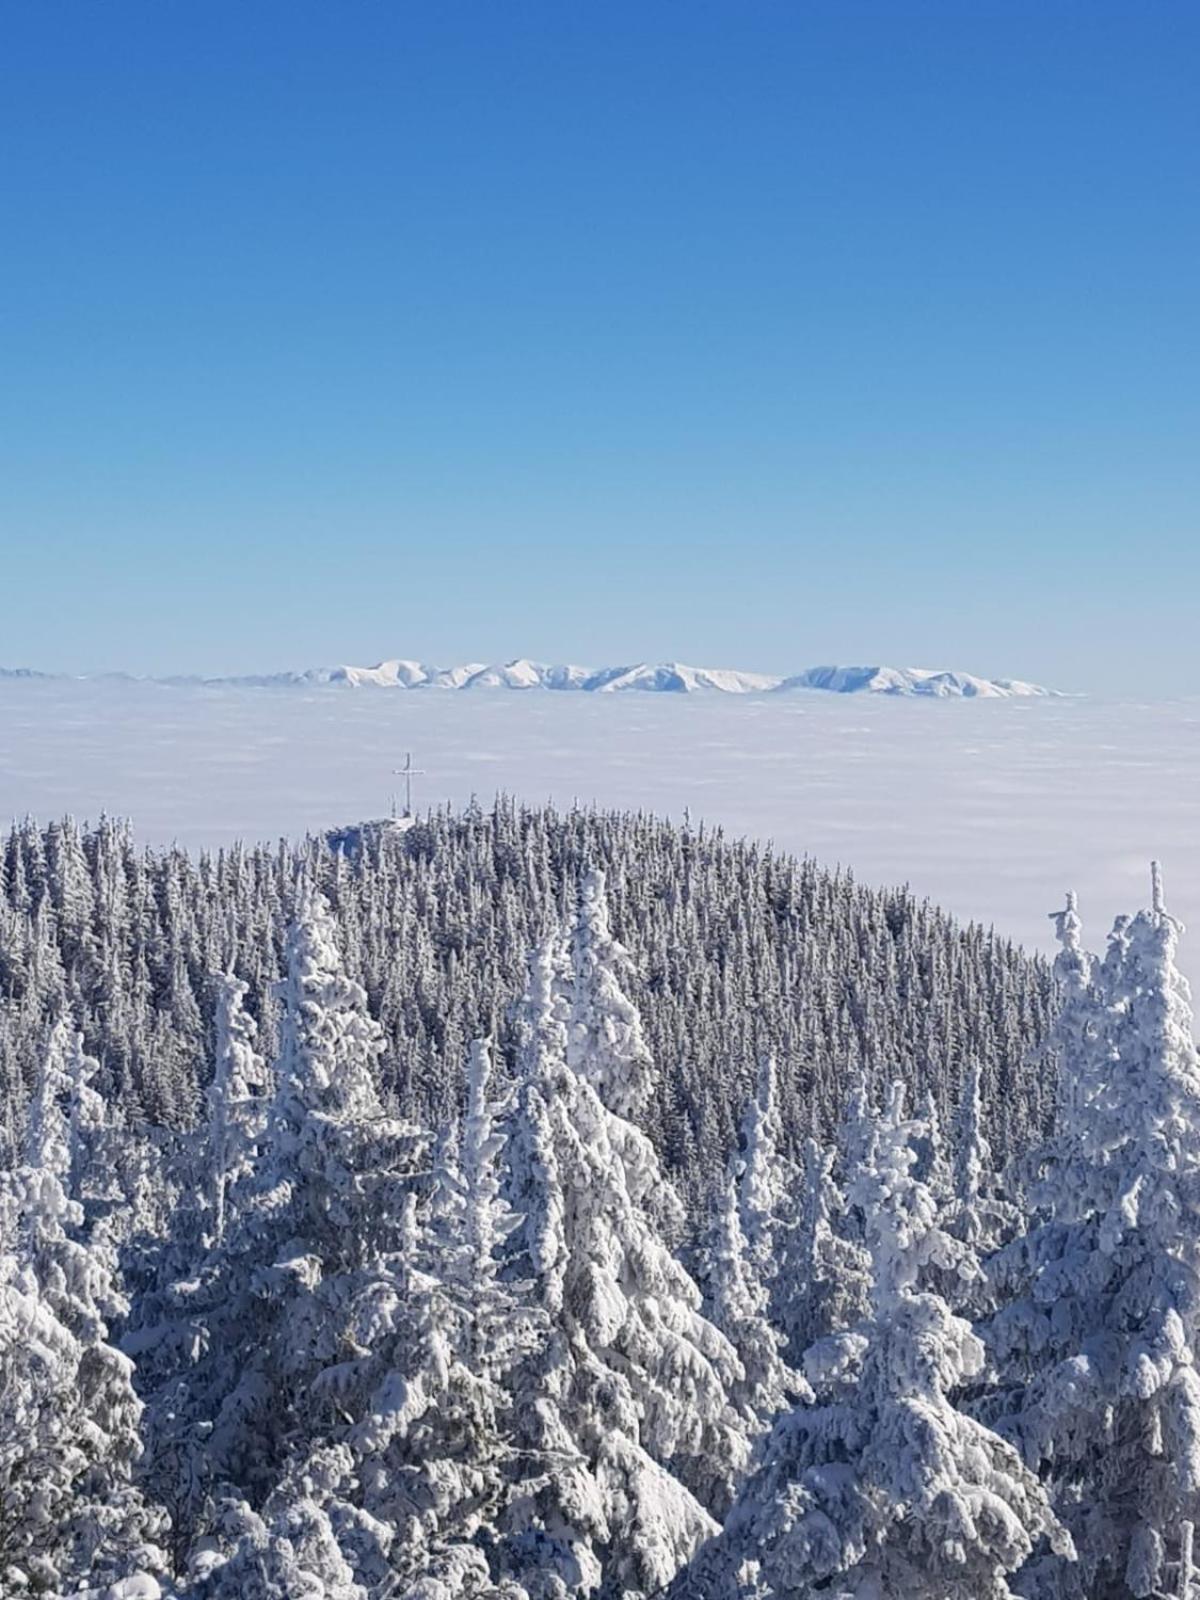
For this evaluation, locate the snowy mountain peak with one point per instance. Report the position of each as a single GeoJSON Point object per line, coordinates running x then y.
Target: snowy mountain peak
{"type": "Point", "coordinates": [387, 675]}
{"type": "Point", "coordinates": [927, 681]}
{"type": "Point", "coordinates": [673, 677]}
{"type": "Point", "coordinates": [662, 677]}
{"type": "Point", "coordinates": [676, 677]}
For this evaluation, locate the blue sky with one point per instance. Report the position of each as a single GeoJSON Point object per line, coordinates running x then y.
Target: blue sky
{"type": "Point", "coordinates": [753, 334]}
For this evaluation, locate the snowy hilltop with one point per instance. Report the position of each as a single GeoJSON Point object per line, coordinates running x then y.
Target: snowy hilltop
{"type": "Point", "coordinates": [298, 1334]}
{"type": "Point", "coordinates": [664, 677]}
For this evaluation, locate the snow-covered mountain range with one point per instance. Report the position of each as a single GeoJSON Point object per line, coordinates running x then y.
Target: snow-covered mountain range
{"type": "Point", "coordinates": [666, 677]}
{"type": "Point", "coordinates": [939, 684]}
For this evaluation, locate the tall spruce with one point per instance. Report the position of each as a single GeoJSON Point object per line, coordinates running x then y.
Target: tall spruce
{"type": "Point", "coordinates": [883, 1488]}
{"type": "Point", "coordinates": [623, 1411]}
{"type": "Point", "coordinates": [69, 1417]}
{"type": "Point", "coordinates": [1098, 1335]}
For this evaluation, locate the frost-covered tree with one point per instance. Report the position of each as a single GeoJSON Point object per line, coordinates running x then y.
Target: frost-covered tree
{"type": "Point", "coordinates": [69, 1417]}
{"type": "Point", "coordinates": [542, 1016]}
{"type": "Point", "coordinates": [430, 1338]}
{"type": "Point", "coordinates": [735, 1301]}
{"type": "Point", "coordinates": [823, 1280]}
{"type": "Point", "coordinates": [487, 1219]}
{"type": "Point", "coordinates": [605, 1041]}
{"type": "Point", "coordinates": [883, 1488]}
{"type": "Point", "coordinates": [856, 1130]}
{"type": "Point", "coordinates": [933, 1162]}
{"type": "Point", "coordinates": [765, 1178]}
{"type": "Point", "coordinates": [399, 1483]}
{"type": "Point", "coordinates": [415, 1471]}
{"type": "Point", "coordinates": [240, 1346]}
{"type": "Point", "coordinates": [623, 1408]}
{"type": "Point", "coordinates": [288, 1551]}
{"type": "Point", "coordinates": [1098, 1337]}
{"type": "Point", "coordinates": [977, 1214]}
{"type": "Point", "coordinates": [236, 1100]}
{"type": "Point", "coordinates": [364, 1378]}
{"type": "Point", "coordinates": [827, 1274]}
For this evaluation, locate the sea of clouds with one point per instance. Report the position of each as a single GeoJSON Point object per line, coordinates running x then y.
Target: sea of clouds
{"type": "Point", "coordinates": [992, 808]}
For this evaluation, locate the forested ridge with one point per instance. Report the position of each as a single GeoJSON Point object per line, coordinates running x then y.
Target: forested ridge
{"type": "Point", "coordinates": [737, 951]}
{"type": "Point", "coordinates": [307, 1326]}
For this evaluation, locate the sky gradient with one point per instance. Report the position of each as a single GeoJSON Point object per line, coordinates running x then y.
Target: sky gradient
{"type": "Point", "coordinates": [750, 334]}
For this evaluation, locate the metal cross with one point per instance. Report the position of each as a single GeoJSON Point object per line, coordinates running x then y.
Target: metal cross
{"type": "Point", "coordinates": [408, 772]}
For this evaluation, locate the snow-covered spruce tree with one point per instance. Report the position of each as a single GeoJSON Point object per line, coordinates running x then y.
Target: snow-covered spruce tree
{"type": "Point", "coordinates": [173, 1258]}
{"type": "Point", "coordinates": [236, 1099]}
{"type": "Point", "coordinates": [766, 1180]}
{"type": "Point", "coordinates": [466, 1249]}
{"type": "Point", "coordinates": [69, 1417]}
{"type": "Point", "coordinates": [883, 1489]}
{"type": "Point", "coordinates": [735, 1301]}
{"type": "Point", "coordinates": [622, 1411]}
{"type": "Point", "coordinates": [288, 1551]}
{"type": "Point", "coordinates": [856, 1127]}
{"type": "Point", "coordinates": [827, 1275]}
{"type": "Point", "coordinates": [605, 1041]}
{"type": "Point", "coordinates": [397, 1499]}
{"type": "Point", "coordinates": [972, 1160]}
{"type": "Point", "coordinates": [823, 1283]}
{"type": "Point", "coordinates": [1098, 1335]}
{"type": "Point", "coordinates": [1080, 1020]}
{"type": "Point", "coordinates": [543, 1014]}
{"type": "Point", "coordinates": [264, 1315]}
{"type": "Point", "coordinates": [933, 1164]}
{"type": "Point", "coordinates": [855, 1134]}
{"type": "Point", "coordinates": [977, 1214]}
{"type": "Point", "coordinates": [430, 1336]}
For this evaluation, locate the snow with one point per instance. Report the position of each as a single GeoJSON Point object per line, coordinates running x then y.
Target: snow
{"type": "Point", "coordinates": [390, 1378]}
{"type": "Point", "coordinates": [664, 677]}
{"type": "Point", "coordinates": [992, 808]}
{"type": "Point", "coordinates": [883, 1488]}
{"type": "Point", "coordinates": [672, 677]}
{"type": "Point", "coordinates": [927, 681]}
{"type": "Point", "coordinates": [388, 674]}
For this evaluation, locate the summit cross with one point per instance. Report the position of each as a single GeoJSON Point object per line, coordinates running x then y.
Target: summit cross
{"type": "Point", "coordinates": [408, 772]}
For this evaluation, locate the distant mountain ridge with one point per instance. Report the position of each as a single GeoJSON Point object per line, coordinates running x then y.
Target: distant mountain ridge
{"type": "Point", "coordinates": [667, 677]}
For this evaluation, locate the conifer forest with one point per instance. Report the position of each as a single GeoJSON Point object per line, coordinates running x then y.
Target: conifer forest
{"type": "Point", "coordinates": [527, 1205]}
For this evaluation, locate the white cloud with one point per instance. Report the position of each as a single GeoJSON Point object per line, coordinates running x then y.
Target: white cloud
{"type": "Point", "coordinates": [992, 808]}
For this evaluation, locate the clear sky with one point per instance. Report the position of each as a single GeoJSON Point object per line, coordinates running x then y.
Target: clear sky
{"type": "Point", "coordinates": [742, 333]}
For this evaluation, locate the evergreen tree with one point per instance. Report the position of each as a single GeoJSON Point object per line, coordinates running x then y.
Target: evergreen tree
{"type": "Point", "coordinates": [431, 1336]}
{"type": "Point", "coordinates": [69, 1417]}
{"type": "Point", "coordinates": [623, 1410]}
{"type": "Point", "coordinates": [366, 1380]}
{"type": "Point", "coordinates": [827, 1274]}
{"type": "Point", "coordinates": [1098, 1337]}
{"type": "Point", "coordinates": [605, 1041]}
{"type": "Point", "coordinates": [766, 1180]}
{"type": "Point", "coordinates": [933, 1164]}
{"type": "Point", "coordinates": [243, 1343]}
{"type": "Point", "coordinates": [236, 1100]}
{"type": "Point", "coordinates": [977, 1215]}
{"type": "Point", "coordinates": [735, 1302]}
{"type": "Point", "coordinates": [882, 1488]}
